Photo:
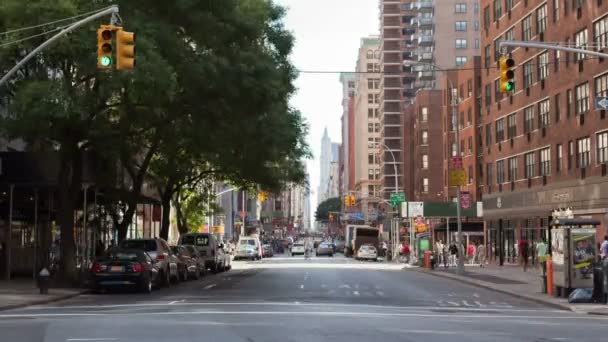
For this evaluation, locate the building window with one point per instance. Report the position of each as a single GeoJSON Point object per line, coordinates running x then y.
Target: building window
{"type": "Point", "coordinates": [488, 95]}
{"type": "Point", "coordinates": [470, 174]}
{"type": "Point", "coordinates": [543, 113]}
{"type": "Point", "coordinates": [453, 149]}
{"type": "Point", "coordinates": [582, 98]}
{"type": "Point", "coordinates": [570, 153]}
{"type": "Point", "coordinates": [497, 92]}
{"type": "Point", "coordinates": [583, 148]}
{"type": "Point", "coordinates": [600, 33]}
{"type": "Point", "coordinates": [370, 67]}
{"type": "Point", "coordinates": [489, 174]}
{"type": "Point", "coordinates": [470, 145]}
{"type": "Point", "coordinates": [568, 102]}
{"type": "Point", "coordinates": [370, 54]}
{"type": "Point", "coordinates": [512, 173]}
{"type": "Point", "coordinates": [528, 74]}
{"type": "Point", "coordinates": [526, 28]}
{"type": "Point", "coordinates": [541, 19]}
{"type": "Point", "coordinates": [425, 184]}
{"type": "Point", "coordinates": [425, 137]}
{"type": "Point", "coordinates": [543, 66]}
{"type": "Point", "coordinates": [371, 190]}
{"type": "Point", "coordinates": [461, 43]}
{"type": "Point", "coordinates": [567, 41]}
{"type": "Point", "coordinates": [512, 126]}
{"type": "Point", "coordinates": [461, 26]}
{"type": "Point", "coordinates": [529, 164]}
{"type": "Point", "coordinates": [476, 25]}
{"type": "Point", "coordinates": [486, 17]}
{"type": "Point", "coordinates": [370, 174]}
{"type": "Point", "coordinates": [580, 40]}
{"type": "Point", "coordinates": [424, 114]}
{"type": "Point", "coordinates": [556, 10]}
{"type": "Point", "coordinates": [486, 56]}
{"type": "Point", "coordinates": [370, 128]}
{"type": "Point", "coordinates": [476, 6]}
{"type": "Point", "coordinates": [557, 106]}
{"type": "Point", "coordinates": [559, 154]}
{"type": "Point", "coordinates": [509, 35]}
{"type": "Point", "coordinates": [602, 147]}
{"type": "Point", "coordinates": [469, 88]}
{"type": "Point", "coordinates": [500, 130]}
{"type": "Point", "coordinates": [371, 158]}
{"type": "Point", "coordinates": [425, 161]}
{"type": "Point", "coordinates": [376, 127]}
{"type": "Point", "coordinates": [372, 113]}
{"type": "Point", "coordinates": [497, 9]}
{"type": "Point", "coordinates": [460, 8]}
{"type": "Point", "coordinates": [500, 172]}
{"type": "Point", "coordinates": [545, 161]}
{"type": "Point", "coordinates": [508, 5]}
{"type": "Point", "coordinates": [371, 99]}
{"type": "Point", "coordinates": [476, 42]}
{"type": "Point", "coordinates": [528, 119]}
{"type": "Point", "coordinates": [373, 83]}
{"type": "Point", "coordinates": [469, 116]}
{"type": "Point", "coordinates": [556, 62]}
{"type": "Point", "coordinates": [461, 60]}
{"type": "Point", "coordinates": [488, 134]}
{"type": "Point", "coordinates": [601, 86]}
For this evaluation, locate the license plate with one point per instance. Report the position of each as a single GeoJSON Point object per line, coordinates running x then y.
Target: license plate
{"type": "Point", "coordinates": [116, 269]}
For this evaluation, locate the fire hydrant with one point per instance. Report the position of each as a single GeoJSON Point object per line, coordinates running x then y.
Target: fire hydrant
{"type": "Point", "coordinates": [44, 278]}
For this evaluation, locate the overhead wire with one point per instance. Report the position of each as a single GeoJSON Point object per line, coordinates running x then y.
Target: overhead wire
{"type": "Point", "coordinates": [52, 22]}
{"type": "Point", "coordinates": [32, 36]}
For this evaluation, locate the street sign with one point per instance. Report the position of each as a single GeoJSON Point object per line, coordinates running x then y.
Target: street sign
{"type": "Point", "coordinates": [415, 209]}
{"type": "Point", "coordinates": [458, 178]}
{"type": "Point", "coordinates": [456, 163]}
{"type": "Point", "coordinates": [601, 103]}
{"type": "Point", "coordinates": [397, 198]}
{"type": "Point", "coordinates": [465, 200]}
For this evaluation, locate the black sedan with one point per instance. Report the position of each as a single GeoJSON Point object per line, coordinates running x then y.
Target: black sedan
{"type": "Point", "coordinates": [268, 252]}
{"type": "Point", "coordinates": [124, 269]}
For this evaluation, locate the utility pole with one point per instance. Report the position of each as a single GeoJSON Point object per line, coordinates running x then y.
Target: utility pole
{"type": "Point", "coordinates": [112, 10]}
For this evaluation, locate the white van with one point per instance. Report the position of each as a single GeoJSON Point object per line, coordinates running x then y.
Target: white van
{"type": "Point", "coordinates": [210, 249]}
{"type": "Point", "coordinates": [251, 241]}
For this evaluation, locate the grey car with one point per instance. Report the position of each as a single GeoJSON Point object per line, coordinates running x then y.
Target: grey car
{"type": "Point", "coordinates": [159, 250]}
{"type": "Point", "coordinates": [325, 248]}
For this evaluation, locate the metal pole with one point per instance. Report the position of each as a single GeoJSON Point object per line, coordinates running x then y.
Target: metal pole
{"type": "Point", "coordinates": [9, 233]}
{"type": "Point", "coordinates": [85, 259]}
{"type": "Point", "coordinates": [111, 10]}
{"type": "Point", "coordinates": [550, 46]}
{"type": "Point", "coordinates": [458, 215]}
{"type": "Point", "coordinates": [35, 268]}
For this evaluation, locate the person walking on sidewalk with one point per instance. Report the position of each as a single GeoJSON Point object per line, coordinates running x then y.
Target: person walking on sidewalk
{"type": "Point", "coordinates": [453, 254]}
{"type": "Point", "coordinates": [481, 254]}
{"type": "Point", "coordinates": [445, 255]}
{"type": "Point", "coordinates": [523, 251]}
{"type": "Point", "coordinates": [604, 248]}
{"type": "Point", "coordinates": [439, 250]}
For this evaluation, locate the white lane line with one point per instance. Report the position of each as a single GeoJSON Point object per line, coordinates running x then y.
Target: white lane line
{"type": "Point", "coordinates": [467, 303]}
{"type": "Point", "coordinates": [344, 286]}
{"type": "Point", "coordinates": [302, 286]}
{"type": "Point", "coordinates": [475, 295]}
{"type": "Point", "coordinates": [323, 286]}
{"type": "Point", "coordinates": [380, 293]}
{"type": "Point", "coordinates": [479, 304]}
{"type": "Point", "coordinates": [356, 293]}
{"type": "Point", "coordinates": [210, 286]}
{"type": "Point", "coordinates": [92, 339]}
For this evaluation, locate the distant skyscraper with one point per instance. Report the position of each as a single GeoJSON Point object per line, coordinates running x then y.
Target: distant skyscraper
{"type": "Point", "coordinates": [325, 160]}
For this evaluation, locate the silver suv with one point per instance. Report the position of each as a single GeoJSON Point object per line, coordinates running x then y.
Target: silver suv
{"type": "Point", "coordinates": [159, 250]}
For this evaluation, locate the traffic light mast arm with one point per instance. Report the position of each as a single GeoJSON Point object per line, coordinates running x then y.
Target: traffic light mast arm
{"type": "Point", "coordinates": [549, 46]}
{"type": "Point", "coordinates": [112, 10]}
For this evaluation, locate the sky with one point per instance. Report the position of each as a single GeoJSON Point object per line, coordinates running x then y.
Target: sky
{"type": "Point", "coordinates": [328, 34]}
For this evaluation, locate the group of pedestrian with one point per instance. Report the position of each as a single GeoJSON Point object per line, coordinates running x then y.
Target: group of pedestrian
{"type": "Point", "coordinates": [448, 254]}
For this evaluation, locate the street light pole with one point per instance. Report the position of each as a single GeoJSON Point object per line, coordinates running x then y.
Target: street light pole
{"type": "Point", "coordinates": [394, 225]}
{"type": "Point", "coordinates": [456, 125]}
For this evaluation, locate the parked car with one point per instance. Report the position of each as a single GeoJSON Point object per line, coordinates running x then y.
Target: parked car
{"type": "Point", "coordinates": [124, 268]}
{"type": "Point", "coordinates": [298, 248]}
{"type": "Point", "coordinates": [208, 247]}
{"type": "Point", "coordinates": [268, 252]}
{"type": "Point", "coordinates": [325, 249]}
{"type": "Point", "coordinates": [252, 241]}
{"type": "Point", "coordinates": [200, 261]}
{"type": "Point", "coordinates": [187, 266]}
{"type": "Point", "coordinates": [367, 252]}
{"type": "Point", "coordinates": [159, 250]}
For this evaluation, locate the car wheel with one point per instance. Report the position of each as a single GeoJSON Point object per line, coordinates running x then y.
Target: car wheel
{"type": "Point", "coordinates": [165, 278]}
{"type": "Point", "coordinates": [185, 274]}
{"type": "Point", "coordinates": [146, 287]}
{"type": "Point", "coordinates": [95, 289]}
{"type": "Point", "coordinates": [331, 255]}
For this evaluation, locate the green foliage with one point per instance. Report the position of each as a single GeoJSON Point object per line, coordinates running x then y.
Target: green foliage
{"type": "Point", "coordinates": [324, 208]}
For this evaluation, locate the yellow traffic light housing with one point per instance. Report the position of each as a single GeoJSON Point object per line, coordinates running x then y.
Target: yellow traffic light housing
{"type": "Point", "coordinates": [125, 50]}
{"type": "Point", "coordinates": [507, 74]}
{"type": "Point", "coordinates": [105, 48]}
{"type": "Point", "coordinates": [263, 196]}
{"type": "Point", "coordinates": [347, 200]}
{"type": "Point", "coordinates": [331, 217]}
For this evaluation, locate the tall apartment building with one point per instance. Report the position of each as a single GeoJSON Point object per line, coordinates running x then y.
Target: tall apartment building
{"type": "Point", "coordinates": [367, 126]}
{"type": "Point", "coordinates": [420, 33]}
{"type": "Point", "coordinates": [546, 144]}
{"type": "Point", "coordinates": [347, 168]}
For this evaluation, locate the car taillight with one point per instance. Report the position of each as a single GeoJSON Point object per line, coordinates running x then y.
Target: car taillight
{"type": "Point", "coordinates": [160, 257]}
{"type": "Point", "coordinates": [96, 268]}
{"type": "Point", "coordinates": [137, 268]}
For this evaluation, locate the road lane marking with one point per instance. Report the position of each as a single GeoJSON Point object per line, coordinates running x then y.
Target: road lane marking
{"type": "Point", "coordinates": [475, 295]}
{"type": "Point", "coordinates": [465, 303]}
{"type": "Point", "coordinates": [356, 293]}
{"type": "Point", "coordinates": [323, 286]}
{"type": "Point", "coordinates": [93, 339]}
{"type": "Point", "coordinates": [344, 286]}
{"type": "Point", "coordinates": [479, 304]}
{"type": "Point", "coordinates": [380, 293]}
{"type": "Point", "coordinates": [210, 286]}
{"type": "Point", "coordinates": [302, 286]}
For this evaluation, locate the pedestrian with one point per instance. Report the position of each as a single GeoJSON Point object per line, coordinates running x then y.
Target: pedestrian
{"type": "Point", "coordinates": [523, 247]}
{"type": "Point", "coordinates": [439, 250]}
{"type": "Point", "coordinates": [604, 248]}
{"type": "Point", "coordinates": [404, 253]}
{"type": "Point", "coordinates": [453, 254]}
{"type": "Point", "coordinates": [481, 254]}
{"type": "Point", "coordinates": [471, 253]}
{"type": "Point", "coordinates": [445, 255]}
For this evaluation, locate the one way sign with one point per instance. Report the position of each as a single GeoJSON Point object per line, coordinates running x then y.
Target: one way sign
{"type": "Point", "coordinates": [601, 103]}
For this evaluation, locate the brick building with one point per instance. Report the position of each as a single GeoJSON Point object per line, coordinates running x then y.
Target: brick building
{"type": "Point", "coordinates": [545, 146]}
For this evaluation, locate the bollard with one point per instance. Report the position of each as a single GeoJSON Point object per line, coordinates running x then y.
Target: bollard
{"type": "Point", "coordinates": [427, 259]}
{"type": "Point", "coordinates": [44, 278]}
{"type": "Point", "coordinates": [549, 276]}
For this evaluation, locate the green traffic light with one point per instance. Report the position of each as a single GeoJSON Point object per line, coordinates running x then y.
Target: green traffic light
{"type": "Point", "coordinates": [106, 61]}
{"type": "Point", "coordinates": [510, 86]}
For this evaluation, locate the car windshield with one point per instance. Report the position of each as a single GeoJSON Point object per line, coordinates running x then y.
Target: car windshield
{"type": "Point", "coordinates": [144, 245]}
{"type": "Point", "coordinates": [196, 240]}
{"type": "Point", "coordinates": [250, 242]}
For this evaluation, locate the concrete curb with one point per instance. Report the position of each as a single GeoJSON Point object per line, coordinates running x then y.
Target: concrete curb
{"type": "Point", "coordinates": [538, 300]}
{"type": "Point", "coordinates": [42, 301]}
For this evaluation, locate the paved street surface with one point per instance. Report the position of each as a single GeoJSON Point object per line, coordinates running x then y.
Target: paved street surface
{"type": "Point", "coordinates": [292, 299]}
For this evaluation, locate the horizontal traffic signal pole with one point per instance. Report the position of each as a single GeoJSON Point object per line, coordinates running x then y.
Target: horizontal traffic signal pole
{"type": "Point", "coordinates": [549, 46]}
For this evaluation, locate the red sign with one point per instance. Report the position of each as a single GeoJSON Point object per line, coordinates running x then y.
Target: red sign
{"type": "Point", "coordinates": [465, 200]}
{"type": "Point", "coordinates": [456, 163]}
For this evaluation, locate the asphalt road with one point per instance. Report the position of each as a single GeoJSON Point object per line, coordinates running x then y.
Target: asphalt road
{"type": "Point", "coordinates": [292, 299]}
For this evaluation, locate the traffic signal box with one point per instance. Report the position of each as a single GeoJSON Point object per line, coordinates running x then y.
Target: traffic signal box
{"type": "Point", "coordinates": [507, 74]}
{"type": "Point", "coordinates": [105, 46]}
{"type": "Point", "coordinates": [125, 48]}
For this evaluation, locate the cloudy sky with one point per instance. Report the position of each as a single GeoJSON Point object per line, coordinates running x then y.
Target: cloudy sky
{"type": "Point", "coordinates": [327, 35]}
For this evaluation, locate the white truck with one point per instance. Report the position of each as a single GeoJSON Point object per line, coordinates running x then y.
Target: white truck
{"type": "Point", "coordinates": [349, 238]}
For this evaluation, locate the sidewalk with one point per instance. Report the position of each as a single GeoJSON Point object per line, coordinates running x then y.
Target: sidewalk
{"type": "Point", "coordinates": [512, 280]}
{"type": "Point", "coordinates": [23, 292]}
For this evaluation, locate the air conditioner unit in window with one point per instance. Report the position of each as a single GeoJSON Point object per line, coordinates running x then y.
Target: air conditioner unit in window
{"type": "Point", "coordinates": [542, 84]}
{"type": "Point", "coordinates": [604, 170]}
{"type": "Point", "coordinates": [544, 131]}
{"type": "Point", "coordinates": [512, 185]}
{"type": "Point", "coordinates": [602, 114]}
{"type": "Point", "coordinates": [583, 173]}
{"type": "Point", "coordinates": [579, 12]}
{"type": "Point", "coordinates": [541, 36]}
{"type": "Point", "coordinates": [529, 136]}
{"type": "Point", "coordinates": [528, 91]}
{"type": "Point", "coordinates": [511, 142]}
{"type": "Point", "coordinates": [544, 179]}
{"type": "Point", "coordinates": [581, 119]}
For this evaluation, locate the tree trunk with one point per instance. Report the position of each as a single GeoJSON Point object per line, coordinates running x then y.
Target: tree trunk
{"type": "Point", "coordinates": [166, 219]}
{"type": "Point", "coordinates": [182, 220]}
{"type": "Point", "coordinates": [70, 177]}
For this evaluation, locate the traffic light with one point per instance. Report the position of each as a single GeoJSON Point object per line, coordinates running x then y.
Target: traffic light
{"type": "Point", "coordinates": [507, 74]}
{"type": "Point", "coordinates": [263, 196]}
{"type": "Point", "coordinates": [105, 35]}
{"type": "Point", "coordinates": [125, 50]}
{"type": "Point", "coordinates": [347, 200]}
{"type": "Point", "coordinates": [331, 217]}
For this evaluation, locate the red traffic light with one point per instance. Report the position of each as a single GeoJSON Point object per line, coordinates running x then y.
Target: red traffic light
{"type": "Point", "coordinates": [106, 34]}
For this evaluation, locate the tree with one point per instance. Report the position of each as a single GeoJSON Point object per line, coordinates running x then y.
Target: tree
{"type": "Point", "coordinates": [330, 205]}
